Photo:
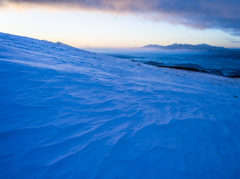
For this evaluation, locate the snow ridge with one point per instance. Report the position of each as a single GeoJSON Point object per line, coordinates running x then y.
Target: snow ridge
{"type": "Point", "coordinates": [69, 113]}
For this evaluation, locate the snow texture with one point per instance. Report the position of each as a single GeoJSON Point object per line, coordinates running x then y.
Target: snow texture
{"type": "Point", "coordinates": [69, 113]}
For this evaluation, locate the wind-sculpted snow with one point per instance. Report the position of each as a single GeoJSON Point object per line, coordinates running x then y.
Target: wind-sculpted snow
{"type": "Point", "coordinates": [68, 113]}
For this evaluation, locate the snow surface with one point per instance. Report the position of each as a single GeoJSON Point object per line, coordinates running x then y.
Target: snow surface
{"type": "Point", "coordinates": [69, 113]}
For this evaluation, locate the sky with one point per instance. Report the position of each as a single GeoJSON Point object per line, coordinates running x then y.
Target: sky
{"type": "Point", "coordinates": [125, 23]}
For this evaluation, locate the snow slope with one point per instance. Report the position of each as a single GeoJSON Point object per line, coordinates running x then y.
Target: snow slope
{"type": "Point", "coordinates": [69, 113]}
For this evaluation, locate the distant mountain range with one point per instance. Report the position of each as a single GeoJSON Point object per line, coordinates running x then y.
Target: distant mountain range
{"type": "Point", "coordinates": [225, 52]}
{"type": "Point", "coordinates": [177, 46]}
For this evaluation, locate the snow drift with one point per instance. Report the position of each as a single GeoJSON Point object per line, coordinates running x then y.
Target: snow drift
{"type": "Point", "coordinates": [69, 113]}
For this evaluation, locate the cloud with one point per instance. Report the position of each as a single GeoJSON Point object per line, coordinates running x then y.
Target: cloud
{"type": "Point", "coordinates": [235, 41]}
{"type": "Point", "coordinates": [200, 14]}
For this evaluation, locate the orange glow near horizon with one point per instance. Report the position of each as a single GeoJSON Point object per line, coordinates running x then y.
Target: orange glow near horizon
{"type": "Point", "coordinates": [98, 29]}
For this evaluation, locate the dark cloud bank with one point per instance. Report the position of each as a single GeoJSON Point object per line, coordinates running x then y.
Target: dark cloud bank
{"type": "Point", "coordinates": [218, 14]}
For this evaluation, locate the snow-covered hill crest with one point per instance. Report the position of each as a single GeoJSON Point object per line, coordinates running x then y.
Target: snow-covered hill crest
{"type": "Point", "coordinates": [69, 113]}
